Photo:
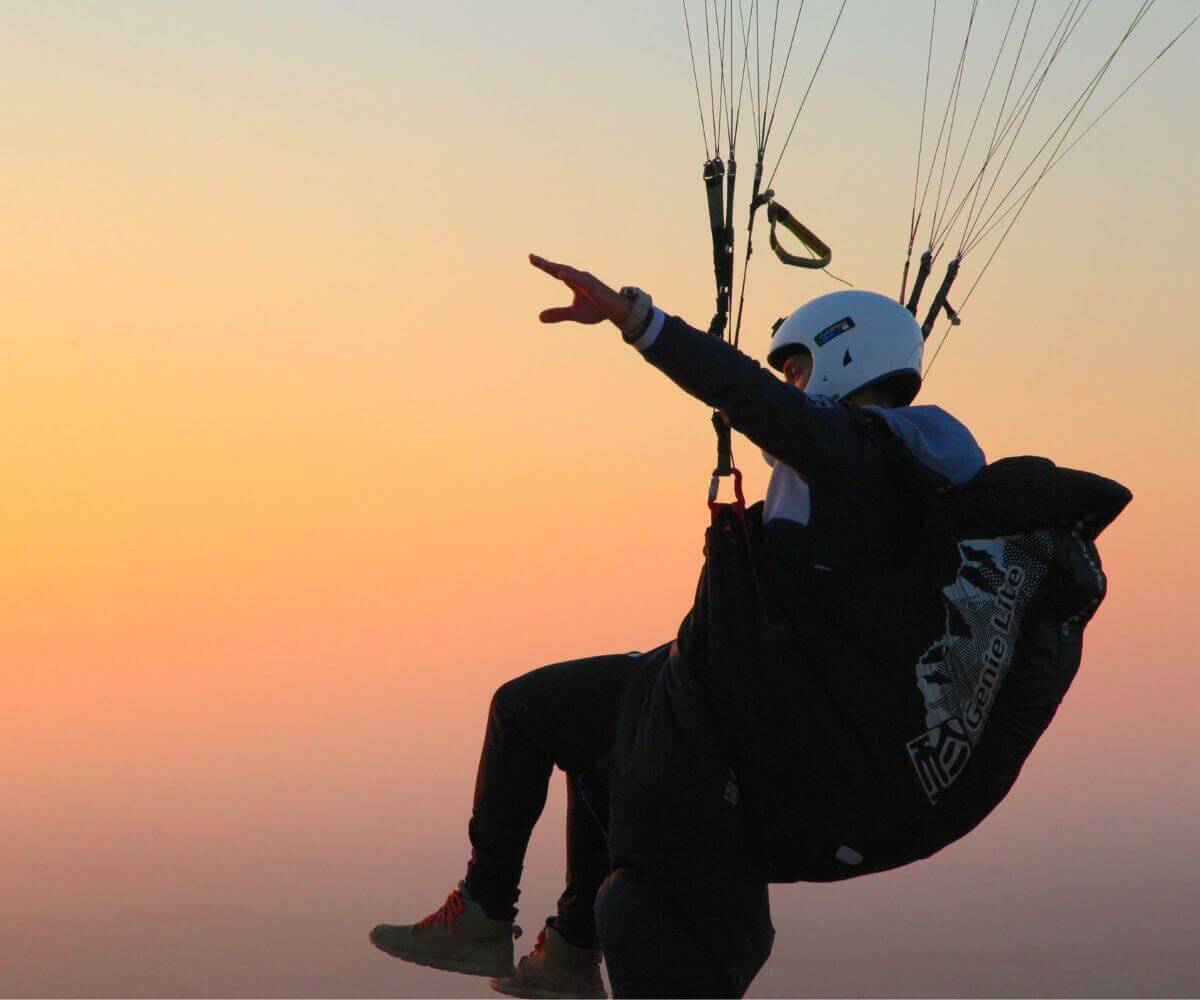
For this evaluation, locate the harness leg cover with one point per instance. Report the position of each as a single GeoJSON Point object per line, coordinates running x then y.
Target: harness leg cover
{"type": "Point", "coordinates": [653, 948]}
{"type": "Point", "coordinates": [816, 723]}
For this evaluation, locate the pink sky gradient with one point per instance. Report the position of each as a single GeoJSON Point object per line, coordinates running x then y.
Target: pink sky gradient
{"type": "Point", "coordinates": [295, 480]}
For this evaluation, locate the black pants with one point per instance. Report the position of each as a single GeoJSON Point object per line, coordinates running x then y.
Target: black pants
{"type": "Point", "coordinates": [566, 715]}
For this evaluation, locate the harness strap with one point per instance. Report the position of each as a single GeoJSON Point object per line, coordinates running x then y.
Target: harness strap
{"type": "Point", "coordinates": [724, 444]}
{"type": "Point", "coordinates": [722, 238]}
{"type": "Point", "coordinates": [719, 188]}
{"type": "Point", "coordinates": [939, 301]}
{"type": "Point", "coordinates": [725, 467]}
{"type": "Point", "coordinates": [923, 269]}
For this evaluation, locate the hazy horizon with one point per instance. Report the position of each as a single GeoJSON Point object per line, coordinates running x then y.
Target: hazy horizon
{"type": "Point", "coordinates": [295, 479]}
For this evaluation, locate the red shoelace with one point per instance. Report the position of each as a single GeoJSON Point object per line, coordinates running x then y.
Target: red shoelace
{"type": "Point", "coordinates": [445, 913]}
{"type": "Point", "coordinates": [537, 948]}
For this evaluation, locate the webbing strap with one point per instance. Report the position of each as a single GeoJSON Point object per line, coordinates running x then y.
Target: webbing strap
{"type": "Point", "coordinates": [722, 238]}
{"type": "Point", "coordinates": [926, 265]}
{"type": "Point", "coordinates": [724, 444]}
{"type": "Point", "coordinates": [718, 186]}
{"type": "Point", "coordinates": [939, 301]}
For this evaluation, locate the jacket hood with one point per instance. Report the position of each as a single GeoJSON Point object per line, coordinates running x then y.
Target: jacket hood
{"type": "Point", "coordinates": [936, 439]}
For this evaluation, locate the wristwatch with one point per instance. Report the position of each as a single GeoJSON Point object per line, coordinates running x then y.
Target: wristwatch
{"type": "Point", "coordinates": [639, 313]}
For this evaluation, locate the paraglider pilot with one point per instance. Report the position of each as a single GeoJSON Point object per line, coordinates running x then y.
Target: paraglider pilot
{"type": "Point", "coordinates": [667, 874]}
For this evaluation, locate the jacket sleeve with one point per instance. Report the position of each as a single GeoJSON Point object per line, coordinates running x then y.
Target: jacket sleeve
{"type": "Point", "coordinates": [813, 435]}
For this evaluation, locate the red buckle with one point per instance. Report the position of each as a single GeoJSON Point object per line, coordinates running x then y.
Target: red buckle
{"type": "Point", "coordinates": [739, 503]}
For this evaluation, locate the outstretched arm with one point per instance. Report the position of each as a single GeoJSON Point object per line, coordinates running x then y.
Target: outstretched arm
{"type": "Point", "coordinates": [809, 435]}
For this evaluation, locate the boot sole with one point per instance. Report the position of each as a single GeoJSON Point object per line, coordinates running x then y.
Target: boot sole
{"type": "Point", "coordinates": [448, 965]}
{"type": "Point", "coordinates": [532, 994]}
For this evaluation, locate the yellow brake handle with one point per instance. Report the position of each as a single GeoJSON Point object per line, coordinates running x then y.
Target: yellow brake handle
{"type": "Point", "coordinates": [822, 255]}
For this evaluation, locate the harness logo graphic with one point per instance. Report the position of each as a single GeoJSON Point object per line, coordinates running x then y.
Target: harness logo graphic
{"type": "Point", "coordinates": [961, 673]}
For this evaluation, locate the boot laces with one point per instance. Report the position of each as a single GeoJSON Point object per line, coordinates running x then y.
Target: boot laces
{"type": "Point", "coordinates": [538, 947]}
{"type": "Point", "coordinates": [445, 913]}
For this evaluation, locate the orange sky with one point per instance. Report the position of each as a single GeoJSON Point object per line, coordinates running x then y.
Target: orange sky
{"type": "Point", "coordinates": [295, 479]}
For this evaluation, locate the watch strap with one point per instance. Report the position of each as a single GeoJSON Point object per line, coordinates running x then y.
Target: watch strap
{"type": "Point", "coordinates": [640, 313]}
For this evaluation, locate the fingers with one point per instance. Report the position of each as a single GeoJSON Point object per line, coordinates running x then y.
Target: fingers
{"type": "Point", "coordinates": [594, 300]}
{"type": "Point", "coordinates": [563, 272]}
{"type": "Point", "coordinates": [551, 268]}
{"type": "Point", "coordinates": [559, 314]}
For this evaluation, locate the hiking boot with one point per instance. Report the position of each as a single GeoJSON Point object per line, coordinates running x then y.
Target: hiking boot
{"type": "Point", "coordinates": [555, 968]}
{"type": "Point", "coordinates": [457, 937]}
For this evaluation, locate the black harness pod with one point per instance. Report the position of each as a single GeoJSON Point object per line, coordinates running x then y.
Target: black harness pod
{"type": "Point", "coordinates": [811, 724]}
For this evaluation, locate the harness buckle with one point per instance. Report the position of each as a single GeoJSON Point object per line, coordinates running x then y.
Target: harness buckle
{"type": "Point", "coordinates": [714, 489]}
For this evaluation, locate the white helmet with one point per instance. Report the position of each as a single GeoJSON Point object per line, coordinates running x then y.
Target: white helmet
{"type": "Point", "coordinates": [856, 339]}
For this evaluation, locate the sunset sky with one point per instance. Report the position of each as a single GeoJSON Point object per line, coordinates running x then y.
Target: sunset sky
{"type": "Point", "coordinates": [294, 478]}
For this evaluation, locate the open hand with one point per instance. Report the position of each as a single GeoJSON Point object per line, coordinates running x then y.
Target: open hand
{"type": "Point", "coordinates": [593, 300]}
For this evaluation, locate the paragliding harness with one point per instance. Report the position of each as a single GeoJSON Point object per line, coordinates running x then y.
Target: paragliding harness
{"type": "Point", "coordinates": [872, 718]}
{"type": "Point", "coordinates": [862, 720]}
